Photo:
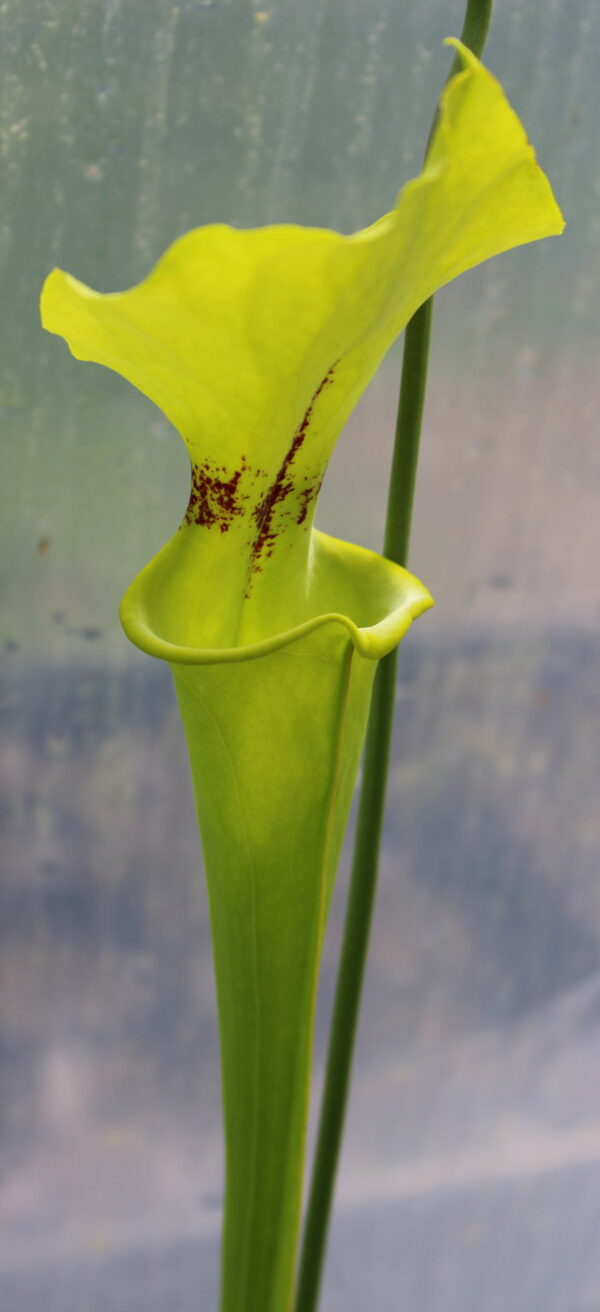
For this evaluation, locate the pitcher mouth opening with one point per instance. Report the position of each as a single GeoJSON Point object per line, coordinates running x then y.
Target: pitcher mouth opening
{"type": "Point", "coordinates": [375, 600]}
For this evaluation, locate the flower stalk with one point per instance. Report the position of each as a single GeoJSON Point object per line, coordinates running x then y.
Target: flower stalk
{"type": "Point", "coordinates": [371, 807]}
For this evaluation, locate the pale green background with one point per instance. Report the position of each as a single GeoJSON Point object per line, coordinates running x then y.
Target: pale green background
{"type": "Point", "coordinates": [471, 1178]}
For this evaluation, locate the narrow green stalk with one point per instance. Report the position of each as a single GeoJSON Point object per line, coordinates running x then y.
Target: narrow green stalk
{"type": "Point", "coordinates": [363, 879]}
{"type": "Point", "coordinates": [368, 836]}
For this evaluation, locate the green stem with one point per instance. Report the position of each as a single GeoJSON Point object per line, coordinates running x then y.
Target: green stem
{"type": "Point", "coordinates": [363, 880]}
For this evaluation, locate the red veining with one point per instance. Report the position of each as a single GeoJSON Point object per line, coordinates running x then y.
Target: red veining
{"type": "Point", "coordinates": [216, 500]}
{"type": "Point", "coordinates": [213, 500]}
{"type": "Point", "coordinates": [307, 496]}
{"type": "Point", "coordinates": [281, 487]}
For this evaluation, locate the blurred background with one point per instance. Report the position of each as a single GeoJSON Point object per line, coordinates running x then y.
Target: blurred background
{"type": "Point", "coordinates": [471, 1172]}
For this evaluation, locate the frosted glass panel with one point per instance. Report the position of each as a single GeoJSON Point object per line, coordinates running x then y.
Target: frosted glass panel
{"type": "Point", "coordinates": [470, 1179]}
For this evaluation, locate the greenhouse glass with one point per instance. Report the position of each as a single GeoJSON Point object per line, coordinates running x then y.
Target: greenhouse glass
{"type": "Point", "coordinates": [470, 1178]}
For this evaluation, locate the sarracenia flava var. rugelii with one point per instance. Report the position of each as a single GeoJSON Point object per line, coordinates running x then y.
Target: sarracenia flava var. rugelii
{"type": "Point", "coordinates": [257, 344]}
